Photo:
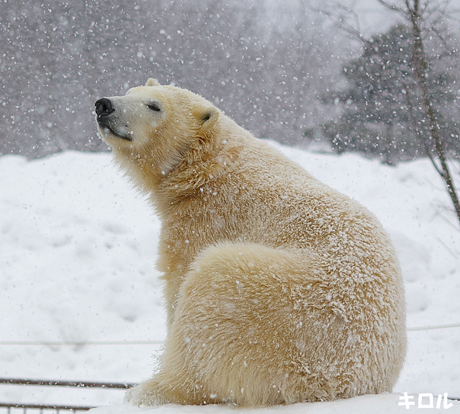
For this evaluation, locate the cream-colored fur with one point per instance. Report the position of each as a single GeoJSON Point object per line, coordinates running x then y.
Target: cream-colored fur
{"type": "Point", "coordinates": [278, 288]}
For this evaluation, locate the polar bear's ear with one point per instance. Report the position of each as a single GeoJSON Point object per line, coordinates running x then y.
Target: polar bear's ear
{"type": "Point", "coordinates": [152, 82]}
{"type": "Point", "coordinates": [207, 117]}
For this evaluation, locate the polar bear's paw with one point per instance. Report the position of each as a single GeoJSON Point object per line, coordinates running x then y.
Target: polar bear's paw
{"type": "Point", "coordinates": [144, 394]}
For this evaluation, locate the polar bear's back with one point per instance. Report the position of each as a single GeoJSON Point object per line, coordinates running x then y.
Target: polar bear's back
{"type": "Point", "coordinates": [286, 206]}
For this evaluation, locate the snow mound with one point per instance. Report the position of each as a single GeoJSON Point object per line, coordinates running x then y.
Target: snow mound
{"type": "Point", "coordinates": [78, 248]}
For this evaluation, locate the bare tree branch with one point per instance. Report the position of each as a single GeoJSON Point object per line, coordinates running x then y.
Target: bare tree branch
{"type": "Point", "coordinates": [394, 8]}
{"type": "Point", "coordinates": [418, 133]}
{"type": "Point", "coordinates": [341, 21]}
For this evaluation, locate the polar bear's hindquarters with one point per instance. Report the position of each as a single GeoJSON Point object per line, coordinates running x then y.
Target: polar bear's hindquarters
{"type": "Point", "coordinates": [246, 331]}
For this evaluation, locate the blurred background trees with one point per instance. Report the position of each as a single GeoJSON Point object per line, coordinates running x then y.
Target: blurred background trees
{"type": "Point", "coordinates": [263, 64]}
{"type": "Point", "coordinates": [281, 69]}
{"type": "Point", "coordinates": [382, 112]}
{"type": "Point", "coordinates": [401, 101]}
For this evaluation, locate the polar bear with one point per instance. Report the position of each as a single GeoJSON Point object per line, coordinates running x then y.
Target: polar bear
{"type": "Point", "coordinates": [279, 289]}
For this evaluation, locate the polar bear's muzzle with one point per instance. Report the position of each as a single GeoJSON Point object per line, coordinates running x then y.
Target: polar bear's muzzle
{"type": "Point", "coordinates": [107, 121]}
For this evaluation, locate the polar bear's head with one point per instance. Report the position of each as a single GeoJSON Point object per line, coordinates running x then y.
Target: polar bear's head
{"type": "Point", "coordinates": [162, 124]}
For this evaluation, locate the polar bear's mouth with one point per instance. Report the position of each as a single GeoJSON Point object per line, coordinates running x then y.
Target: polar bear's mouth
{"type": "Point", "coordinates": [108, 129]}
{"type": "Point", "coordinates": [108, 123]}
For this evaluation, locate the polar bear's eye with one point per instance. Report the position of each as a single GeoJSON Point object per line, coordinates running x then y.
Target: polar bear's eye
{"type": "Point", "coordinates": [153, 106]}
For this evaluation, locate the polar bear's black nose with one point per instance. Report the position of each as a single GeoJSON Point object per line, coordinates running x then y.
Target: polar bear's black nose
{"type": "Point", "coordinates": [104, 107]}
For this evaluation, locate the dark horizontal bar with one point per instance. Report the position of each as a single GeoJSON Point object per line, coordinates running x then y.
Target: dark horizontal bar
{"type": "Point", "coordinates": [80, 384]}
{"type": "Point", "coordinates": [47, 407]}
{"type": "Point", "coordinates": [80, 343]}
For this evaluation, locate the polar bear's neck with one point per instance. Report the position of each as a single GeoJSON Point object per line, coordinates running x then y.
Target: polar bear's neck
{"type": "Point", "coordinates": [168, 178]}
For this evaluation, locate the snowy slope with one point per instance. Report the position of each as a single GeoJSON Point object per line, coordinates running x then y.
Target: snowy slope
{"type": "Point", "coordinates": [77, 254]}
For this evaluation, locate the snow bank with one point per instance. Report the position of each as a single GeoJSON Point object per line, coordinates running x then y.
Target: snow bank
{"type": "Point", "coordinates": [367, 404]}
{"type": "Point", "coordinates": [77, 253]}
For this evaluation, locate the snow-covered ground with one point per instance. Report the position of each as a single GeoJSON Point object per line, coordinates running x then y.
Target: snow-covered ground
{"type": "Point", "coordinates": [77, 253]}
